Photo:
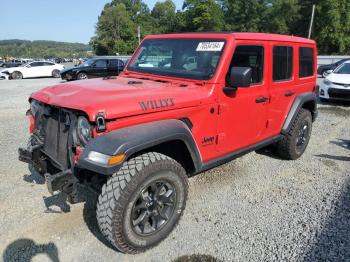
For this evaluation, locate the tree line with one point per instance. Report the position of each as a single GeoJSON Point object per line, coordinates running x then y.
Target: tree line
{"type": "Point", "coordinates": [42, 49]}
{"type": "Point", "coordinates": [116, 29]}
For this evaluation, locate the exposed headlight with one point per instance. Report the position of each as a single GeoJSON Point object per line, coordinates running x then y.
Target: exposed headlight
{"type": "Point", "coordinates": [84, 130]}
{"type": "Point", "coordinates": [327, 82]}
{"type": "Point", "coordinates": [106, 159]}
{"type": "Point", "coordinates": [35, 106]}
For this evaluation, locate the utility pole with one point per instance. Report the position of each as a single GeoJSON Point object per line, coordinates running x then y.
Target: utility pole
{"type": "Point", "coordinates": [312, 20]}
{"type": "Point", "coordinates": [139, 34]}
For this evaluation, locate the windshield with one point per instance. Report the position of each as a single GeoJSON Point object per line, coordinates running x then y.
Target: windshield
{"type": "Point", "coordinates": [343, 69]}
{"type": "Point", "coordinates": [88, 62]}
{"type": "Point", "coordinates": [185, 58]}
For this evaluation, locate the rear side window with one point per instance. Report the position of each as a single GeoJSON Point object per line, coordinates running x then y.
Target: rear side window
{"type": "Point", "coordinates": [306, 62]}
{"type": "Point", "coordinates": [115, 63]}
{"type": "Point", "coordinates": [250, 56]}
{"type": "Point", "coordinates": [282, 63]}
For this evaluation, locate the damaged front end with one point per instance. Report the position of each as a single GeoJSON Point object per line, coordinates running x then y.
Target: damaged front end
{"type": "Point", "coordinates": [54, 146]}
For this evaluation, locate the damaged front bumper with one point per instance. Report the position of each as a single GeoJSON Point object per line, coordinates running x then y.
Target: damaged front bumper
{"type": "Point", "coordinates": [63, 181]}
{"type": "Point", "coordinates": [5, 76]}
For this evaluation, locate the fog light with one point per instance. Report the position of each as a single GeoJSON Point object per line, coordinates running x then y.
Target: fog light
{"type": "Point", "coordinates": [322, 92]}
{"type": "Point", "coordinates": [106, 159]}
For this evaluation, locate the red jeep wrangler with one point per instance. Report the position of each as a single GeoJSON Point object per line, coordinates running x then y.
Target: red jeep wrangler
{"type": "Point", "coordinates": [185, 103]}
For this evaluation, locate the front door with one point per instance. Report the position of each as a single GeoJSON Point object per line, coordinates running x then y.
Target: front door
{"type": "Point", "coordinates": [99, 68]}
{"type": "Point", "coordinates": [243, 115]}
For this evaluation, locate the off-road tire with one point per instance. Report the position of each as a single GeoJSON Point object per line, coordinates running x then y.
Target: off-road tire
{"type": "Point", "coordinates": [119, 194]}
{"type": "Point", "coordinates": [16, 75]}
{"type": "Point", "coordinates": [82, 76]}
{"type": "Point", "coordinates": [287, 148]}
{"type": "Point", "coordinates": [56, 73]}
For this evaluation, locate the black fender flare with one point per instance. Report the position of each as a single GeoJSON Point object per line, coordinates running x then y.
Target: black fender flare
{"type": "Point", "coordinates": [133, 139]}
{"type": "Point", "coordinates": [305, 100]}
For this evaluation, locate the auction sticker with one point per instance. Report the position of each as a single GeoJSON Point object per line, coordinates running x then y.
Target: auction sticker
{"type": "Point", "coordinates": [210, 46]}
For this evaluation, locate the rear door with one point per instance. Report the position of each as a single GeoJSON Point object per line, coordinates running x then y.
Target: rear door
{"type": "Point", "coordinates": [282, 87]}
{"type": "Point", "coordinates": [115, 66]}
{"type": "Point", "coordinates": [48, 68]}
{"type": "Point", "coordinates": [243, 116]}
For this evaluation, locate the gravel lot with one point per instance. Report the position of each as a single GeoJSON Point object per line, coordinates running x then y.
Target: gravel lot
{"type": "Point", "coordinates": [256, 208]}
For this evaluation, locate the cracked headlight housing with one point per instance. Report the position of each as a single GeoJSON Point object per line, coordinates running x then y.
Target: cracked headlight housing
{"type": "Point", "coordinates": [84, 130]}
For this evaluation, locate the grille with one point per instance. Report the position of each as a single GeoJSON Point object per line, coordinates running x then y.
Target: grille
{"type": "Point", "coordinates": [56, 133]}
{"type": "Point", "coordinates": [339, 93]}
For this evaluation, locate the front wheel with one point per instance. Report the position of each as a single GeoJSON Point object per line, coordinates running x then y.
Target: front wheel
{"type": "Point", "coordinates": [16, 75]}
{"type": "Point", "coordinates": [293, 145]}
{"type": "Point", "coordinates": [142, 203]}
{"type": "Point", "coordinates": [82, 76]}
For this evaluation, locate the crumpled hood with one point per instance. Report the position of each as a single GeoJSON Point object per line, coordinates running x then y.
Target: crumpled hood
{"type": "Point", "coordinates": [339, 78]}
{"type": "Point", "coordinates": [123, 96]}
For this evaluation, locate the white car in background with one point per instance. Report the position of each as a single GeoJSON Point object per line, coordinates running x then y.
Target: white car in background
{"type": "Point", "coordinates": [336, 85]}
{"type": "Point", "coordinates": [32, 69]}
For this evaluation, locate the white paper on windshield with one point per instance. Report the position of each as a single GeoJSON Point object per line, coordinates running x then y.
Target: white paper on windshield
{"type": "Point", "coordinates": [146, 65]}
{"type": "Point", "coordinates": [210, 46]}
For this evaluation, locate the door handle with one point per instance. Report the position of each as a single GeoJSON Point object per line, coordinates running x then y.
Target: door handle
{"type": "Point", "coordinates": [289, 93]}
{"type": "Point", "coordinates": [261, 99]}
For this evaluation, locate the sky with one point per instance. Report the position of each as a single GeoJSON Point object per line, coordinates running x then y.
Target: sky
{"type": "Point", "coordinates": [64, 20]}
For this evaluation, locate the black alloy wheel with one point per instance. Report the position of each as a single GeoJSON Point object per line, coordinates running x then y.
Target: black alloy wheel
{"type": "Point", "coordinates": [153, 207]}
{"type": "Point", "coordinates": [303, 136]}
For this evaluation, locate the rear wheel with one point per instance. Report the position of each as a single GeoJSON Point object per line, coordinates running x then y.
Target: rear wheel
{"type": "Point", "coordinates": [142, 203]}
{"type": "Point", "coordinates": [16, 75]}
{"type": "Point", "coordinates": [293, 145]}
{"type": "Point", "coordinates": [56, 73]}
{"type": "Point", "coordinates": [82, 76]}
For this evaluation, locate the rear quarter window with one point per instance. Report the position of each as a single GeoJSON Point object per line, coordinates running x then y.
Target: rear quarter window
{"type": "Point", "coordinates": [306, 62]}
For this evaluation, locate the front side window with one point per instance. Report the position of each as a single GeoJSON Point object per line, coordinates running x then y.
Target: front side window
{"type": "Point", "coordinates": [101, 63]}
{"type": "Point", "coordinates": [306, 62]}
{"type": "Point", "coordinates": [185, 58]}
{"type": "Point", "coordinates": [88, 62]}
{"type": "Point", "coordinates": [250, 56]}
{"type": "Point", "coordinates": [282, 63]}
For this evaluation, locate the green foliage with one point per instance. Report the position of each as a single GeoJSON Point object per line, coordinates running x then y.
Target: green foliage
{"type": "Point", "coordinates": [116, 30]}
{"type": "Point", "coordinates": [41, 49]}
{"type": "Point", "coordinates": [164, 14]}
{"type": "Point", "coordinates": [203, 15]}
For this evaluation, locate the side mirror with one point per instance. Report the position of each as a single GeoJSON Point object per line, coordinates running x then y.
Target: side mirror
{"type": "Point", "coordinates": [329, 72]}
{"type": "Point", "coordinates": [29, 66]}
{"type": "Point", "coordinates": [239, 77]}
